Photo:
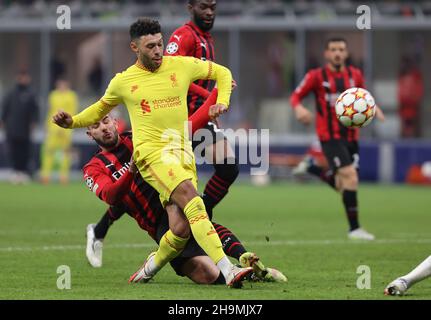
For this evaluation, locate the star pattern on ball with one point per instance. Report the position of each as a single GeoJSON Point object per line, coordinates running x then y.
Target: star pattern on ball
{"type": "Point", "coordinates": [348, 111]}
{"type": "Point", "coordinates": [360, 94]}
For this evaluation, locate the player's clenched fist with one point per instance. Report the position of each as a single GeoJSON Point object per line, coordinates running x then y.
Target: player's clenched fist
{"type": "Point", "coordinates": [216, 110]}
{"type": "Point", "coordinates": [62, 119]}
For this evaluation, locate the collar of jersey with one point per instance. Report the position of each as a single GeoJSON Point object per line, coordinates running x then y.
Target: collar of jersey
{"type": "Point", "coordinates": [140, 66]}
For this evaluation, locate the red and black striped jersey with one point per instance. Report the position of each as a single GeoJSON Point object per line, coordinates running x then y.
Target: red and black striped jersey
{"type": "Point", "coordinates": [139, 200]}
{"type": "Point", "coordinates": [189, 40]}
{"type": "Point", "coordinates": [327, 86]}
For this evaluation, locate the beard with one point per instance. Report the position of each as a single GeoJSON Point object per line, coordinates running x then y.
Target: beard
{"type": "Point", "coordinates": [202, 25]}
{"type": "Point", "coordinates": [107, 144]}
{"type": "Point", "coordinates": [148, 63]}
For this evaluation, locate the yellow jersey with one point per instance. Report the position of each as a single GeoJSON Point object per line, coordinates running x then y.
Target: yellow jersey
{"type": "Point", "coordinates": [157, 101]}
{"type": "Point", "coordinates": [65, 100]}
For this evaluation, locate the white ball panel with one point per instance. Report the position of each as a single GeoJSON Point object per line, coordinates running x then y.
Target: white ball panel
{"type": "Point", "coordinates": [346, 121]}
{"type": "Point", "coordinates": [339, 108]}
{"type": "Point", "coordinates": [360, 105]}
{"type": "Point", "coordinates": [348, 99]}
{"type": "Point", "coordinates": [359, 118]}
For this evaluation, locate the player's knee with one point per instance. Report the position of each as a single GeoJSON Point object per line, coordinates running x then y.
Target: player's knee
{"type": "Point", "coordinates": [349, 177]}
{"type": "Point", "coordinates": [181, 229]}
{"type": "Point", "coordinates": [183, 193]}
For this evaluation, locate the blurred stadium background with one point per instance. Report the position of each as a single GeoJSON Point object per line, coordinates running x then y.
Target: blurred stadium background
{"type": "Point", "coordinates": [268, 45]}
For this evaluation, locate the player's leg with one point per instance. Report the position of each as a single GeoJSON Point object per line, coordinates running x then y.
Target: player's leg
{"type": "Point", "coordinates": [233, 247]}
{"type": "Point", "coordinates": [65, 163]}
{"type": "Point", "coordinates": [186, 196]}
{"type": "Point", "coordinates": [173, 175]}
{"type": "Point", "coordinates": [400, 285]}
{"type": "Point", "coordinates": [202, 270]}
{"type": "Point", "coordinates": [47, 161]}
{"type": "Point", "coordinates": [96, 234]}
{"type": "Point", "coordinates": [225, 166]}
{"type": "Point", "coordinates": [171, 244]}
{"type": "Point", "coordinates": [196, 265]}
{"type": "Point", "coordinates": [326, 176]}
{"type": "Point", "coordinates": [343, 160]}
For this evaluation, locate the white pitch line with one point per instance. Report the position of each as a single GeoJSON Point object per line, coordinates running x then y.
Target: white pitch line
{"type": "Point", "coordinates": [248, 243]}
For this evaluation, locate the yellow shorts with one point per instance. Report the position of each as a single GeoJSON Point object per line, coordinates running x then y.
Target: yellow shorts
{"type": "Point", "coordinates": [165, 170]}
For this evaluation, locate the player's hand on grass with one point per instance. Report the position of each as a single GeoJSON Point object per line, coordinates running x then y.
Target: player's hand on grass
{"type": "Point", "coordinates": [379, 114]}
{"type": "Point", "coordinates": [62, 119]}
{"type": "Point", "coordinates": [303, 115]}
{"type": "Point", "coordinates": [216, 110]}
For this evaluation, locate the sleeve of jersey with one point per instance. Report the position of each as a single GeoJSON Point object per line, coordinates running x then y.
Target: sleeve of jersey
{"type": "Point", "coordinates": [180, 44]}
{"type": "Point", "coordinates": [201, 117]}
{"type": "Point", "coordinates": [361, 80]}
{"type": "Point", "coordinates": [101, 108]}
{"type": "Point", "coordinates": [303, 89]}
{"type": "Point", "coordinates": [209, 70]}
{"type": "Point", "coordinates": [101, 184]}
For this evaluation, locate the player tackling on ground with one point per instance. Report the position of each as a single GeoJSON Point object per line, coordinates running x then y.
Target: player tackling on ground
{"type": "Point", "coordinates": [154, 91]}
{"type": "Point", "coordinates": [122, 187]}
{"type": "Point", "coordinates": [399, 286]}
{"type": "Point", "coordinates": [339, 143]}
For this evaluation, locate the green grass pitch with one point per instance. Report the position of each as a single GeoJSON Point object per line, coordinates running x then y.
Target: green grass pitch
{"type": "Point", "coordinates": [298, 228]}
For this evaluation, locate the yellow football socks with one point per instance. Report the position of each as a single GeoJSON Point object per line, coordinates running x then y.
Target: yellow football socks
{"type": "Point", "coordinates": [203, 230]}
{"type": "Point", "coordinates": [170, 246]}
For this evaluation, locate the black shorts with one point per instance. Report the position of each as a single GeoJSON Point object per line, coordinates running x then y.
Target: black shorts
{"type": "Point", "coordinates": [207, 136]}
{"type": "Point", "coordinates": [341, 153]}
{"type": "Point", "coordinates": [191, 250]}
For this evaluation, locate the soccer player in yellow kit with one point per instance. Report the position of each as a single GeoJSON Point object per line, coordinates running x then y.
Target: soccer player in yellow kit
{"type": "Point", "coordinates": [56, 146]}
{"type": "Point", "coordinates": [154, 91]}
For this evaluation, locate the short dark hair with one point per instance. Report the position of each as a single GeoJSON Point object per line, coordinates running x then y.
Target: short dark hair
{"type": "Point", "coordinates": [192, 2]}
{"type": "Point", "coordinates": [335, 39]}
{"type": "Point", "coordinates": [143, 27]}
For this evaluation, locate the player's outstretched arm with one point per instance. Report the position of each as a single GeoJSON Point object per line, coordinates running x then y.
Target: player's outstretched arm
{"type": "Point", "coordinates": [85, 118]}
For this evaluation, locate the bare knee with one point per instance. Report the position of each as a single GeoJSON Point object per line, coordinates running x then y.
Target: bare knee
{"type": "Point", "coordinates": [348, 178]}
{"type": "Point", "coordinates": [178, 222]}
{"type": "Point", "coordinates": [183, 193]}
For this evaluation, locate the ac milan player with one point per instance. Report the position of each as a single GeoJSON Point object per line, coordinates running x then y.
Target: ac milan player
{"type": "Point", "coordinates": [339, 143]}
{"type": "Point", "coordinates": [115, 180]}
{"type": "Point", "coordinates": [194, 39]}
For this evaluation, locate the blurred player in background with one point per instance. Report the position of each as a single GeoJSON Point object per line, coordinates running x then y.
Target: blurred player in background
{"type": "Point", "coordinates": [119, 185]}
{"type": "Point", "coordinates": [399, 286]}
{"type": "Point", "coordinates": [339, 143]}
{"type": "Point", "coordinates": [20, 113]}
{"type": "Point", "coordinates": [57, 144]}
{"type": "Point", "coordinates": [194, 39]}
{"type": "Point", "coordinates": [154, 91]}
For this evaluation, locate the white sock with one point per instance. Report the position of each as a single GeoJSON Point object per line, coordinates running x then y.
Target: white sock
{"type": "Point", "coordinates": [150, 267]}
{"type": "Point", "coordinates": [419, 273]}
{"type": "Point", "coordinates": [225, 266]}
